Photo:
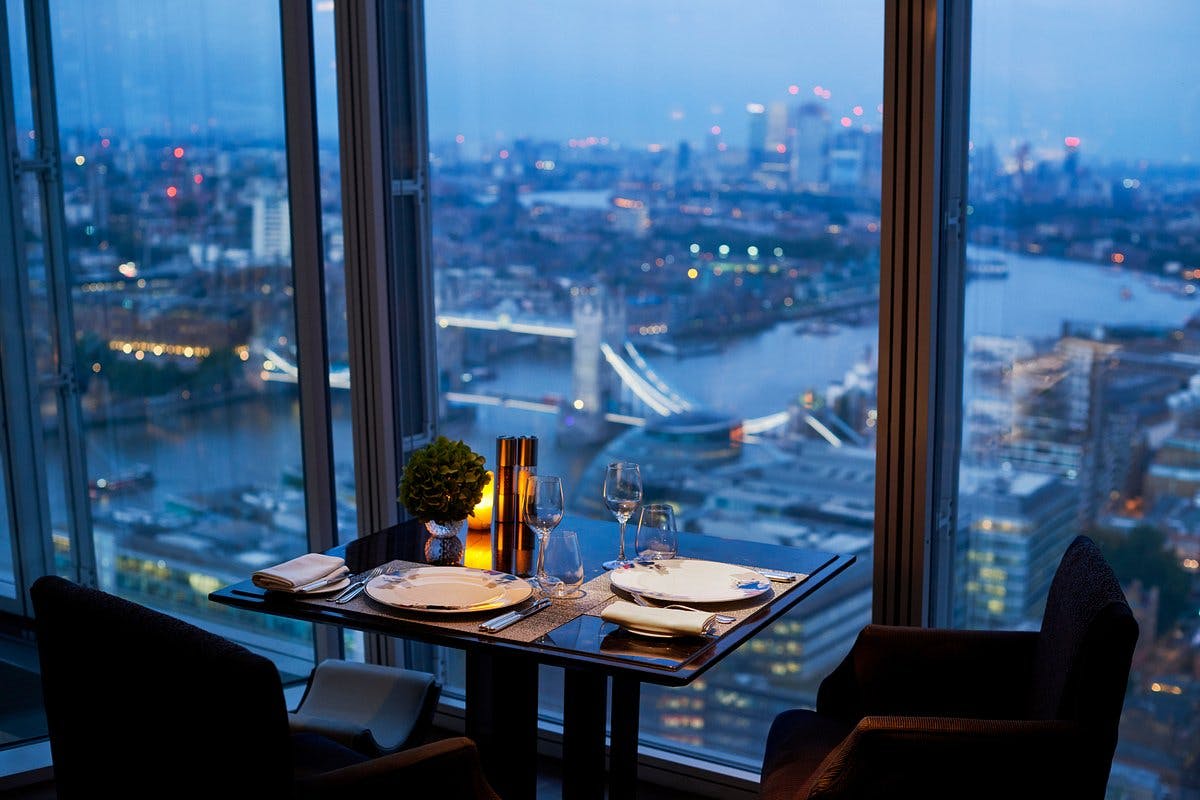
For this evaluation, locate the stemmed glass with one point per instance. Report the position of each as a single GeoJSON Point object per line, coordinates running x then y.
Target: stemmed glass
{"type": "Point", "coordinates": [542, 510]}
{"type": "Point", "coordinates": [622, 493]}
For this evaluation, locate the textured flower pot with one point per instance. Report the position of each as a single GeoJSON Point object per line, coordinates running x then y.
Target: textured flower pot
{"type": "Point", "coordinates": [443, 545]}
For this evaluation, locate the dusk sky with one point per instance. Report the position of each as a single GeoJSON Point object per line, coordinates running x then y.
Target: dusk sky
{"type": "Point", "coordinates": [1119, 75]}
{"type": "Point", "coordinates": [1122, 76]}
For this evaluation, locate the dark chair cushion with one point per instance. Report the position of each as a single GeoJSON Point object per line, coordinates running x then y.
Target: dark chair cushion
{"type": "Point", "coordinates": [314, 754]}
{"type": "Point", "coordinates": [798, 741]}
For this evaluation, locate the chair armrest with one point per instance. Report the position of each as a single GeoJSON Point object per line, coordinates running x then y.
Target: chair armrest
{"type": "Point", "coordinates": [448, 769]}
{"type": "Point", "coordinates": [936, 671]}
{"type": "Point", "coordinates": [890, 756]}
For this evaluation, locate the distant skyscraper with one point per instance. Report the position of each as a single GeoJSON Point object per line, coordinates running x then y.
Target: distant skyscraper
{"type": "Point", "coordinates": [778, 137]}
{"type": "Point", "coordinates": [807, 165]}
{"type": "Point", "coordinates": [683, 165]}
{"type": "Point", "coordinates": [270, 233]}
{"type": "Point", "coordinates": [756, 143]}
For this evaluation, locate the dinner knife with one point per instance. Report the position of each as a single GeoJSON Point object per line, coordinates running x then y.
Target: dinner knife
{"type": "Point", "coordinates": [326, 581]}
{"type": "Point", "coordinates": [786, 577]}
{"type": "Point", "coordinates": [504, 620]}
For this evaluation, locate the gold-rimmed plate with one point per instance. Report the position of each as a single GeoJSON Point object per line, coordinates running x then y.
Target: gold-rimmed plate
{"type": "Point", "coordinates": [448, 590]}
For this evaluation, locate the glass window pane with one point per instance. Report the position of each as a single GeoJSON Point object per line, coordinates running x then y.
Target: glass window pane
{"type": "Point", "coordinates": [8, 587]}
{"type": "Point", "coordinates": [19, 61]}
{"type": "Point", "coordinates": [176, 202]}
{"type": "Point", "coordinates": [329, 156]}
{"type": "Point", "coordinates": [1080, 338]}
{"type": "Point", "coordinates": [656, 237]}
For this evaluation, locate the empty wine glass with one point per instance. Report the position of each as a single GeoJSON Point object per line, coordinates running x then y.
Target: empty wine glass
{"type": "Point", "coordinates": [655, 539]}
{"type": "Point", "coordinates": [563, 565]}
{"type": "Point", "coordinates": [542, 510]}
{"type": "Point", "coordinates": [622, 493]}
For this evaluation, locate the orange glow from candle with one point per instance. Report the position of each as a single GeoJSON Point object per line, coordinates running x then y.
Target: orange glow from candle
{"type": "Point", "coordinates": [479, 549]}
{"type": "Point", "coordinates": [483, 509]}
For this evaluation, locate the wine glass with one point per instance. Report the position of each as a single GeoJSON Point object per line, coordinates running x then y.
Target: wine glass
{"type": "Point", "coordinates": [655, 538]}
{"type": "Point", "coordinates": [542, 510]}
{"type": "Point", "coordinates": [563, 565]}
{"type": "Point", "coordinates": [622, 493]}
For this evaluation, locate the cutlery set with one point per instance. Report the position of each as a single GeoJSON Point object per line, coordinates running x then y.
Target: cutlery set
{"type": "Point", "coordinates": [355, 588]}
{"type": "Point", "coordinates": [504, 620]}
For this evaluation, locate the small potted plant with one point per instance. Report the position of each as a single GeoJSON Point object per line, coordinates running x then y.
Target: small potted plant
{"type": "Point", "coordinates": [441, 485]}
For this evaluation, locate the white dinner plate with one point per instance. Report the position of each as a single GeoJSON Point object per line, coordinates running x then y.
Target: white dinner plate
{"type": "Point", "coordinates": [690, 580]}
{"type": "Point", "coordinates": [448, 590]}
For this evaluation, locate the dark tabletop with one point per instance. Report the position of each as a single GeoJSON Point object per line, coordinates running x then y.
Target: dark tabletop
{"type": "Point", "coordinates": [584, 642]}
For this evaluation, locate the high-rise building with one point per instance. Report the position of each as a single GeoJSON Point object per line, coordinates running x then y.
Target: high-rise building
{"type": "Point", "coordinates": [807, 166]}
{"type": "Point", "coordinates": [270, 231]}
{"type": "Point", "coordinates": [778, 138]}
{"type": "Point", "coordinates": [756, 142]}
{"type": "Point", "coordinates": [1020, 523]}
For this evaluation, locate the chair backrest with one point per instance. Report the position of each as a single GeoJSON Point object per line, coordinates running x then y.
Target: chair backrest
{"type": "Point", "coordinates": [140, 703]}
{"type": "Point", "coordinates": [1085, 646]}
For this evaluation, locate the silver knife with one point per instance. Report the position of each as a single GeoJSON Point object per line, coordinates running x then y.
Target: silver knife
{"type": "Point", "coordinates": [504, 620]}
{"type": "Point", "coordinates": [319, 582]}
{"type": "Point", "coordinates": [785, 577]}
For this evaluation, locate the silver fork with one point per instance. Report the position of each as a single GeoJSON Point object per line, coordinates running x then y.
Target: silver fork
{"type": "Point", "coordinates": [724, 619]}
{"type": "Point", "coordinates": [357, 585]}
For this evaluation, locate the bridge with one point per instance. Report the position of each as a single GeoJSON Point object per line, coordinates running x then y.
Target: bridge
{"type": "Point", "coordinates": [628, 365]}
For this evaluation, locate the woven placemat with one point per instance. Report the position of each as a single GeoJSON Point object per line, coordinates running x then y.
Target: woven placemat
{"type": "Point", "coordinates": [598, 593]}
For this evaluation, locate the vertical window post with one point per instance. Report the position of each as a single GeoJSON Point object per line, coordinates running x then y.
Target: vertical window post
{"type": "Point", "coordinates": [926, 65]}
{"type": "Point", "coordinates": [308, 264]}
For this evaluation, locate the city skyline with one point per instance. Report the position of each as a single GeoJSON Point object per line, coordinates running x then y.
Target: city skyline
{"type": "Point", "coordinates": [563, 71]}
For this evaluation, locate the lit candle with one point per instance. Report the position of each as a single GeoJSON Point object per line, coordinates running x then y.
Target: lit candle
{"type": "Point", "coordinates": [483, 509]}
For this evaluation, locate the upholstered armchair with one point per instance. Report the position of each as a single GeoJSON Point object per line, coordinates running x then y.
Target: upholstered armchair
{"type": "Point", "coordinates": [141, 704]}
{"type": "Point", "coordinates": [915, 712]}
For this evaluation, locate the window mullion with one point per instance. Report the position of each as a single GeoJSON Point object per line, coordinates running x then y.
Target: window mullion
{"type": "Point", "coordinates": [924, 144]}
{"type": "Point", "coordinates": [48, 171]}
{"type": "Point", "coordinates": [377, 452]}
{"type": "Point", "coordinates": [308, 265]}
{"type": "Point", "coordinates": [28, 510]}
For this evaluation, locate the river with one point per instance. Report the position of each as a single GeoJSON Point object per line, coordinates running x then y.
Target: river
{"type": "Point", "coordinates": [752, 375]}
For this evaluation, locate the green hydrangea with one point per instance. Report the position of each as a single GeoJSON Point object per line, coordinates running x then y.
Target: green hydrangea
{"type": "Point", "coordinates": [443, 481]}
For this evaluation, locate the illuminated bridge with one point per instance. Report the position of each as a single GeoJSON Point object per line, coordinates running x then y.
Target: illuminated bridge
{"type": "Point", "coordinates": [600, 371]}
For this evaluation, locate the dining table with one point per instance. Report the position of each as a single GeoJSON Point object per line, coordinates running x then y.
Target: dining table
{"type": "Point", "coordinates": [604, 665]}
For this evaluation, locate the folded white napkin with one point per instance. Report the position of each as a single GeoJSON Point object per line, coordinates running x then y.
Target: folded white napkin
{"type": "Point", "coordinates": [658, 620]}
{"type": "Point", "coordinates": [300, 572]}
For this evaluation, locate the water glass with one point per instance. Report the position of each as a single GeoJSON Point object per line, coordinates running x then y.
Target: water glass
{"type": "Point", "coordinates": [563, 565]}
{"type": "Point", "coordinates": [655, 538]}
